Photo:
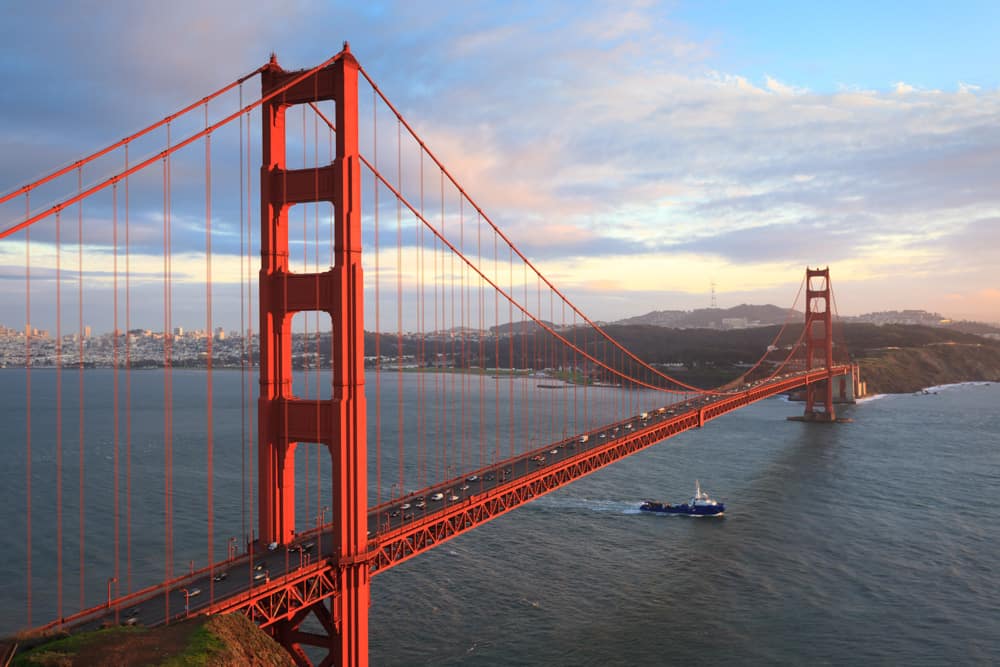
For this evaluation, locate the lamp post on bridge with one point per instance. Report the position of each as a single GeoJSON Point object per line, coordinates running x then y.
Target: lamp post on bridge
{"type": "Point", "coordinates": [232, 548]}
{"type": "Point", "coordinates": [320, 520]}
{"type": "Point", "coordinates": [321, 517]}
{"type": "Point", "coordinates": [111, 580]}
{"type": "Point", "coordinates": [187, 605]}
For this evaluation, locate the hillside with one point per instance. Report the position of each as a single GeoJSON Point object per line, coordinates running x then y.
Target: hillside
{"type": "Point", "coordinates": [712, 318]}
{"type": "Point", "coordinates": [711, 357]}
{"type": "Point", "coordinates": [229, 640]}
{"type": "Point", "coordinates": [898, 370]}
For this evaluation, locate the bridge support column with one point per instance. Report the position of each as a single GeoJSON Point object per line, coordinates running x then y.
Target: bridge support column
{"type": "Point", "coordinates": [819, 343]}
{"type": "Point", "coordinates": [283, 419]}
{"type": "Point", "coordinates": [289, 634]}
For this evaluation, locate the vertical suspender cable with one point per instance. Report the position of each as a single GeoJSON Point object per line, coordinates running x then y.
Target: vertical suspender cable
{"type": "Point", "coordinates": [79, 375]}
{"type": "Point", "coordinates": [316, 316]}
{"type": "Point", "coordinates": [59, 433]}
{"type": "Point", "coordinates": [482, 344]}
{"type": "Point", "coordinates": [496, 349]}
{"type": "Point", "coordinates": [114, 363]}
{"type": "Point", "coordinates": [438, 393]}
{"type": "Point", "coordinates": [128, 388]}
{"type": "Point", "coordinates": [450, 454]}
{"type": "Point", "coordinates": [306, 392]}
{"type": "Point", "coordinates": [422, 333]}
{"type": "Point", "coordinates": [244, 342]}
{"type": "Point", "coordinates": [399, 290]}
{"type": "Point", "coordinates": [167, 462]}
{"type": "Point", "coordinates": [250, 348]}
{"type": "Point", "coordinates": [462, 329]}
{"type": "Point", "coordinates": [378, 307]}
{"type": "Point", "coordinates": [27, 408]}
{"type": "Point", "coordinates": [439, 325]}
{"type": "Point", "coordinates": [510, 344]}
{"type": "Point", "coordinates": [209, 433]}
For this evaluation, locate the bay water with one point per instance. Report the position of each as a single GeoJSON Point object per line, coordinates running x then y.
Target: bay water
{"type": "Point", "coordinates": [869, 542]}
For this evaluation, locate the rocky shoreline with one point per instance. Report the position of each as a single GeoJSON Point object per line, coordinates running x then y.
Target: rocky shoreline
{"type": "Point", "coordinates": [900, 370]}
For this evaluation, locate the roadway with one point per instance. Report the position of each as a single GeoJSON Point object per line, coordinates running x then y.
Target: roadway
{"type": "Point", "coordinates": [259, 566]}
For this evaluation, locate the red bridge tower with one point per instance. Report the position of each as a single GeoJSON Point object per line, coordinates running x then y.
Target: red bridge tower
{"type": "Point", "coordinates": [819, 342]}
{"type": "Point", "coordinates": [283, 419]}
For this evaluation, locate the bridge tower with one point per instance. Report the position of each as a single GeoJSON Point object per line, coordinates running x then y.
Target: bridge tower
{"type": "Point", "coordinates": [819, 342]}
{"type": "Point", "coordinates": [340, 422]}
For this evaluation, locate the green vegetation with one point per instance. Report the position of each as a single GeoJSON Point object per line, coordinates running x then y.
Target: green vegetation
{"type": "Point", "coordinates": [59, 651]}
{"type": "Point", "coordinates": [712, 357]}
{"type": "Point", "coordinates": [210, 641]}
{"type": "Point", "coordinates": [570, 377]}
{"type": "Point", "coordinates": [203, 649]}
{"type": "Point", "coordinates": [908, 369]}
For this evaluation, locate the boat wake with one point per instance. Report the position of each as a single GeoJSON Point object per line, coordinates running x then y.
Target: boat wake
{"type": "Point", "coordinates": [589, 505]}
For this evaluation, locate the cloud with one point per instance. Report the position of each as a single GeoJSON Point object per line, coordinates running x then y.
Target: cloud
{"type": "Point", "coordinates": [779, 88]}
{"type": "Point", "coordinates": [589, 133]}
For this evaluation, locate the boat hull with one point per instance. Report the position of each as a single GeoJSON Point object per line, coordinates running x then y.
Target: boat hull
{"type": "Point", "coordinates": [683, 509]}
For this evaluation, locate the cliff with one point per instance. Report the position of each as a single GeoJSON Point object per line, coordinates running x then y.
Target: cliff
{"type": "Point", "coordinates": [230, 640]}
{"type": "Point", "coordinates": [896, 370]}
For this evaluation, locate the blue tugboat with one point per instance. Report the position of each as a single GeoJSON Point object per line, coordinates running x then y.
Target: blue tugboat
{"type": "Point", "coordinates": [699, 505]}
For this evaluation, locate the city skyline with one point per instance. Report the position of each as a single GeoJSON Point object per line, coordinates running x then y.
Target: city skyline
{"type": "Point", "coordinates": [918, 317]}
{"type": "Point", "coordinates": [694, 143]}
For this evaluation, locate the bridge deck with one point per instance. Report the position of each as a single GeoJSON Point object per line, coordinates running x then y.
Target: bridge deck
{"type": "Point", "coordinates": [273, 585]}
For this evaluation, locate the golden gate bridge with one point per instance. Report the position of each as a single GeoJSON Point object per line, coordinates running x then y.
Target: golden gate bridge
{"type": "Point", "coordinates": [358, 226]}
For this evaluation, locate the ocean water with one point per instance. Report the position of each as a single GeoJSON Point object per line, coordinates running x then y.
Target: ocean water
{"type": "Point", "coordinates": [871, 542]}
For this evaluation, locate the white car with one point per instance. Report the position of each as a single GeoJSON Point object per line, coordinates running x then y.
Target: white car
{"type": "Point", "coordinates": [437, 496]}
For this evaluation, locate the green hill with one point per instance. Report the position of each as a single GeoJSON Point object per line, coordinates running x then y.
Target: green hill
{"type": "Point", "coordinates": [229, 640]}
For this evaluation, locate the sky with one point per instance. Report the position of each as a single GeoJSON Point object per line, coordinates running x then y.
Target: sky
{"type": "Point", "coordinates": [637, 152]}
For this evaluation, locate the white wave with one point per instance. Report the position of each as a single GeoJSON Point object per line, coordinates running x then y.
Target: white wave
{"type": "Point", "coordinates": [955, 385]}
{"type": "Point", "coordinates": [869, 399]}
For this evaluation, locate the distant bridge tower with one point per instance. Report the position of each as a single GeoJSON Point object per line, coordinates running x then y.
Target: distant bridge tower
{"type": "Point", "coordinates": [819, 342]}
{"type": "Point", "coordinates": [283, 419]}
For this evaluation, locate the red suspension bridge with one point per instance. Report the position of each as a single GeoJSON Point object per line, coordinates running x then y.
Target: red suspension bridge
{"type": "Point", "coordinates": [486, 386]}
